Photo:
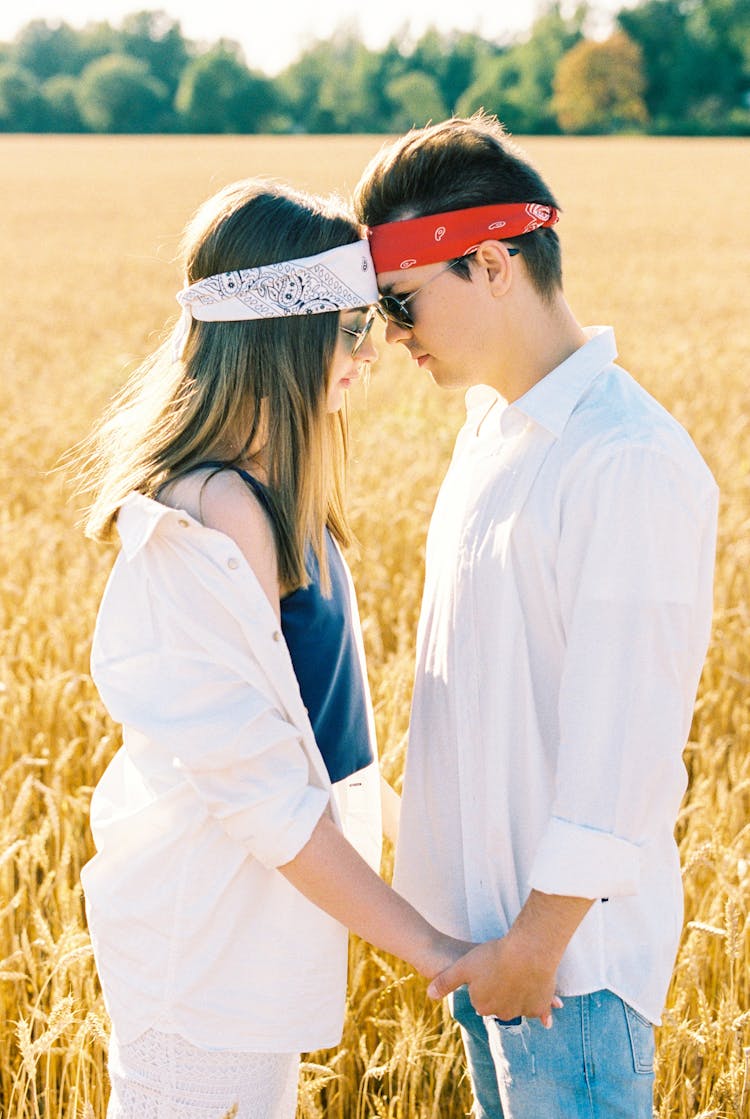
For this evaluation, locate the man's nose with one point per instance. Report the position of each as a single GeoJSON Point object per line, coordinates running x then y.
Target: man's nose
{"type": "Point", "coordinates": [396, 332]}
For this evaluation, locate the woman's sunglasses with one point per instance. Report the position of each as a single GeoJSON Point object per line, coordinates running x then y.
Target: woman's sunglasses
{"type": "Point", "coordinates": [360, 335]}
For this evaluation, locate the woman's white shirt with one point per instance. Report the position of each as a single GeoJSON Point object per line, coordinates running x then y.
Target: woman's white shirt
{"type": "Point", "coordinates": [219, 781]}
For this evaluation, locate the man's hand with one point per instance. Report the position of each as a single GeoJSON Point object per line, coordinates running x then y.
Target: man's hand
{"type": "Point", "coordinates": [515, 976]}
{"type": "Point", "coordinates": [503, 979]}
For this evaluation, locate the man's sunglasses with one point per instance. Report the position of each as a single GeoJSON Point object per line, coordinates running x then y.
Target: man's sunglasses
{"type": "Point", "coordinates": [395, 308]}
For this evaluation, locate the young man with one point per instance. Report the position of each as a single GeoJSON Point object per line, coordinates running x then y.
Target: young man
{"type": "Point", "coordinates": [565, 619]}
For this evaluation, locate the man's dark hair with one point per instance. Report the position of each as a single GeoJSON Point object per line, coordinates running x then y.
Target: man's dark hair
{"type": "Point", "coordinates": [459, 163]}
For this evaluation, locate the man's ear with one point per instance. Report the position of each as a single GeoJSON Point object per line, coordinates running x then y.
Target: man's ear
{"type": "Point", "coordinates": [494, 258]}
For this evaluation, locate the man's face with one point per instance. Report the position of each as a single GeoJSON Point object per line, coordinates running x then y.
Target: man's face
{"type": "Point", "coordinates": [448, 313]}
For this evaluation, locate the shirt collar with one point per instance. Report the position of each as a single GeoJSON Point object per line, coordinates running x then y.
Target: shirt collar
{"type": "Point", "coordinates": [551, 401]}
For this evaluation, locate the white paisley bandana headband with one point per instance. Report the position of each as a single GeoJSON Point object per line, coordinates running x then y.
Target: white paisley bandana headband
{"type": "Point", "coordinates": [340, 279]}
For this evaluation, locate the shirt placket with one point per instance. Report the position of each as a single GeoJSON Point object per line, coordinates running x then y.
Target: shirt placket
{"type": "Point", "coordinates": [502, 484]}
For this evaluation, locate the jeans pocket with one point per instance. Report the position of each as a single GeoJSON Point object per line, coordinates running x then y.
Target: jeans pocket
{"type": "Point", "coordinates": [508, 1028]}
{"type": "Point", "coordinates": [641, 1034]}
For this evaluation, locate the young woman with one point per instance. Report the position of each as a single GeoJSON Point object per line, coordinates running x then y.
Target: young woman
{"type": "Point", "coordinates": [228, 646]}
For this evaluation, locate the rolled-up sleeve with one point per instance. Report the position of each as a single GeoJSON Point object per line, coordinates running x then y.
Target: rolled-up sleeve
{"type": "Point", "coordinates": [246, 763]}
{"type": "Point", "coordinates": [635, 566]}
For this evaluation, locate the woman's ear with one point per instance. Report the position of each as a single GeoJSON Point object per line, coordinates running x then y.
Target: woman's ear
{"type": "Point", "coordinates": [494, 258]}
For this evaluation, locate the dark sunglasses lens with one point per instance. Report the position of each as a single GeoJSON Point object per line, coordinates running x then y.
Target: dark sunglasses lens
{"type": "Point", "coordinates": [395, 310]}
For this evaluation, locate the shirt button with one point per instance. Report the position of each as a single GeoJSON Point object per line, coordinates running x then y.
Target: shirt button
{"type": "Point", "coordinates": [233, 564]}
{"type": "Point", "coordinates": [183, 523]}
{"type": "Point", "coordinates": [276, 635]}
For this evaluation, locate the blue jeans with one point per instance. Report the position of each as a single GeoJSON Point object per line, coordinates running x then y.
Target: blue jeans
{"type": "Point", "coordinates": [478, 1056]}
{"type": "Point", "coordinates": [595, 1063]}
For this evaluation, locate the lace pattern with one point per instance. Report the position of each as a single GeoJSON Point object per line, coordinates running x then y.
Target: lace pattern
{"type": "Point", "coordinates": [163, 1076]}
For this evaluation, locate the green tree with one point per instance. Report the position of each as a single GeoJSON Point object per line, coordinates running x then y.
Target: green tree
{"type": "Point", "coordinates": [416, 100]}
{"type": "Point", "coordinates": [517, 84]}
{"type": "Point", "coordinates": [156, 38]}
{"type": "Point", "coordinates": [118, 94]}
{"type": "Point", "coordinates": [217, 93]}
{"type": "Point", "coordinates": [22, 106]}
{"type": "Point", "coordinates": [696, 60]}
{"type": "Point", "coordinates": [599, 86]}
{"type": "Point", "coordinates": [669, 55]}
{"type": "Point", "coordinates": [452, 60]}
{"type": "Point", "coordinates": [299, 87]}
{"type": "Point", "coordinates": [388, 65]}
{"type": "Point", "coordinates": [60, 95]}
{"type": "Point", "coordinates": [97, 40]}
{"type": "Point", "coordinates": [723, 26]}
{"type": "Point", "coordinates": [347, 91]}
{"type": "Point", "coordinates": [46, 49]}
{"type": "Point", "coordinates": [336, 86]}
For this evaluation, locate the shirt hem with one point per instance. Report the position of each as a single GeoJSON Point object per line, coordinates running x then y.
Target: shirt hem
{"type": "Point", "coordinates": [256, 1043]}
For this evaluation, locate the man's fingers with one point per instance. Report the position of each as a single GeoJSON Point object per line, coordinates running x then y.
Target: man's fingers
{"type": "Point", "coordinates": [546, 1019]}
{"type": "Point", "coordinates": [446, 981]}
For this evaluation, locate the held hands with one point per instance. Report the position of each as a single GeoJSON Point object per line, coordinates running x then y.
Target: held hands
{"type": "Point", "coordinates": [441, 954]}
{"type": "Point", "coordinates": [515, 976]}
{"type": "Point", "coordinates": [505, 979]}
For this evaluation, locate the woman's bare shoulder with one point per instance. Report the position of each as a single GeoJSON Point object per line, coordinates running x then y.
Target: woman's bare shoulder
{"type": "Point", "coordinates": [222, 500]}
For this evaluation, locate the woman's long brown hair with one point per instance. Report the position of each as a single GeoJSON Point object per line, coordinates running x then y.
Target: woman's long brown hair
{"type": "Point", "coordinates": [237, 382]}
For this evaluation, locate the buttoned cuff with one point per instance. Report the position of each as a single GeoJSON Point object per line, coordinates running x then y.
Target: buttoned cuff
{"type": "Point", "coordinates": [577, 861]}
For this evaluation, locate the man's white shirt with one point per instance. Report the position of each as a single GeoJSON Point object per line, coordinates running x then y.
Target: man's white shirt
{"type": "Point", "coordinates": [565, 619]}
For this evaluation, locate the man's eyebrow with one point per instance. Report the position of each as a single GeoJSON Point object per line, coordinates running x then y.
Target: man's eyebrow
{"type": "Point", "coordinates": [387, 289]}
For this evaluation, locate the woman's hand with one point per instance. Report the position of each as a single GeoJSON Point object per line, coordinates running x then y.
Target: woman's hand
{"type": "Point", "coordinates": [442, 953]}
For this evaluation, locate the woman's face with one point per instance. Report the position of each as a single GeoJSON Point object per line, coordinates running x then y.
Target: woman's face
{"type": "Point", "coordinates": [345, 369]}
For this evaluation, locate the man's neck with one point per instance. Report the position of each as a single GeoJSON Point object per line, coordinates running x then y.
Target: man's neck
{"type": "Point", "coordinates": [542, 338]}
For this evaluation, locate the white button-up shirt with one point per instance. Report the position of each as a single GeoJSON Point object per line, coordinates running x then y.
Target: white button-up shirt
{"type": "Point", "coordinates": [565, 619]}
{"type": "Point", "coordinates": [219, 781]}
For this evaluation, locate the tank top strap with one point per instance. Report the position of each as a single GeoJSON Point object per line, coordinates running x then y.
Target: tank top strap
{"type": "Point", "coordinates": [257, 487]}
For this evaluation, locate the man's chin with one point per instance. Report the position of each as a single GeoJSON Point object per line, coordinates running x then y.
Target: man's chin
{"type": "Point", "coordinates": [442, 377]}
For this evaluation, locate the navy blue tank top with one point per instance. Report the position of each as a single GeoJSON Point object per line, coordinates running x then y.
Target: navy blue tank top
{"type": "Point", "coordinates": [319, 633]}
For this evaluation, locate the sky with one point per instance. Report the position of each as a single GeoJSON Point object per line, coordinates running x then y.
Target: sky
{"type": "Point", "coordinates": [274, 33]}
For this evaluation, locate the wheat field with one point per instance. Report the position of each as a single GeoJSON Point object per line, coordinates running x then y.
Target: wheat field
{"type": "Point", "coordinates": [655, 241]}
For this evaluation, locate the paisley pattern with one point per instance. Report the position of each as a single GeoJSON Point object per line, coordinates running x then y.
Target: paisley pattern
{"type": "Point", "coordinates": [438, 237]}
{"type": "Point", "coordinates": [339, 279]}
{"type": "Point", "coordinates": [274, 291]}
{"type": "Point", "coordinates": [336, 280]}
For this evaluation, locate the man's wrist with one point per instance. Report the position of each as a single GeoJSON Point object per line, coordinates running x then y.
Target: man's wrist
{"type": "Point", "coordinates": [545, 925]}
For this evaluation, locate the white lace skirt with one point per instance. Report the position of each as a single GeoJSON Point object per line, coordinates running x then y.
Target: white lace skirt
{"type": "Point", "coordinates": [162, 1076]}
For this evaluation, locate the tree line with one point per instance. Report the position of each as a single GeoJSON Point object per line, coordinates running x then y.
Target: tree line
{"type": "Point", "coordinates": [669, 66]}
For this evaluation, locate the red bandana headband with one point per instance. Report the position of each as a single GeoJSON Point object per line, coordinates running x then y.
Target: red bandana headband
{"type": "Point", "coordinates": [417, 241]}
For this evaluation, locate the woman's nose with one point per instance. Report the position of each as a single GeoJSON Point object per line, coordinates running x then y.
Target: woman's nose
{"type": "Point", "coordinates": [367, 352]}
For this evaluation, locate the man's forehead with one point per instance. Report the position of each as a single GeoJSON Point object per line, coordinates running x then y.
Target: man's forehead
{"type": "Point", "coordinates": [403, 279]}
